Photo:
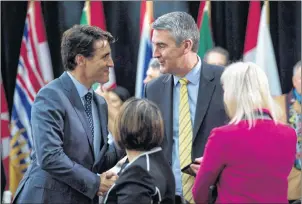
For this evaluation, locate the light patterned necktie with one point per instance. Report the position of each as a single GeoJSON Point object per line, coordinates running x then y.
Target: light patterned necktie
{"type": "Point", "coordinates": [185, 139]}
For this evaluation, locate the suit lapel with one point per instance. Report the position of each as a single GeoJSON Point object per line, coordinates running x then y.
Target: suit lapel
{"type": "Point", "coordinates": [166, 105]}
{"type": "Point", "coordinates": [101, 106]}
{"type": "Point", "coordinates": [76, 101]}
{"type": "Point", "coordinates": [205, 92]}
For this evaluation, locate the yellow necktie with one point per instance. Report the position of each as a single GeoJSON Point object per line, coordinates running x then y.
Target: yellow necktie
{"type": "Point", "coordinates": [185, 139]}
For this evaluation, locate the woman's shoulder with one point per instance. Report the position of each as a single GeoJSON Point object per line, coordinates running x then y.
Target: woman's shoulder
{"type": "Point", "coordinates": [134, 181]}
{"type": "Point", "coordinates": [226, 129]}
{"type": "Point", "coordinates": [287, 130]}
{"type": "Point", "coordinates": [136, 175]}
{"type": "Point", "coordinates": [138, 166]}
{"type": "Point", "coordinates": [261, 125]}
{"type": "Point", "coordinates": [136, 169]}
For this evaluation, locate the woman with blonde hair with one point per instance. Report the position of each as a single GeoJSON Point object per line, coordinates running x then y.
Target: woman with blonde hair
{"type": "Point", "coordinates": [249, 159]}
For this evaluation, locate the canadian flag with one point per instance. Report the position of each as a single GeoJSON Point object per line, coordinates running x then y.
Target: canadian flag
{"type": "Point", "coordinates": [258, 47]}
{"type": "Point", "coordinates": [40, 41]}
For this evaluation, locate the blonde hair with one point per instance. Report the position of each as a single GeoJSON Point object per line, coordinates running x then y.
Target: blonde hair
{"type": "Point", "coordinates": [246, 90]}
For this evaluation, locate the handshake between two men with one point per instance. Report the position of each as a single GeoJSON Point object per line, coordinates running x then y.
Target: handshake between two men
{"type": "Point", "coordinates": [107, 179]}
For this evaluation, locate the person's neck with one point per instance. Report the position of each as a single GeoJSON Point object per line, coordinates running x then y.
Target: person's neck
{"type": "Point", "coordinates": [132, 154]}
{"type": "Point", "coordinates": [81, 78]}
{"type": "Point", "coordinates": [189, 62]}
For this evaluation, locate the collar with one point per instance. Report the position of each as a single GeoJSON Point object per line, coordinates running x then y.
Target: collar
{"type": "Point", "coordinates": [82, 90]}
{"type": "Point", "coordinates": [155, 149]}
{"type": "Point", "coordinates": [264, 111]}
{"type": "Point", "coordinates": [261, 113]}
{"type": "Point", "coordinates": [193, 75]}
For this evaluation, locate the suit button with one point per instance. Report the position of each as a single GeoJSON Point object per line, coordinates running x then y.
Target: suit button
{"type": "Point", "coordinates": [170, 162]}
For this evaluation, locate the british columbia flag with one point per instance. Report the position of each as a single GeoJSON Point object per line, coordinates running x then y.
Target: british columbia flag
{"type": "Point", "coordinates": [34, 71]}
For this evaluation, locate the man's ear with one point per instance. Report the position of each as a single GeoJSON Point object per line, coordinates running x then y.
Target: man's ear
{"type": "Point", "coordinates": [188, 44]}
{"type": "Point", "coordinates": [80, 60]}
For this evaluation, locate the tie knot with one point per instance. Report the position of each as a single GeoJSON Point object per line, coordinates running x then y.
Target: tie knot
{"type": "Point", "coordinates": [183, 81]}
{"type": "Point", "coordinates": [88, 97]}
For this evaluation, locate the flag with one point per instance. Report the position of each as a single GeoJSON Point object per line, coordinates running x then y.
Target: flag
{"type": "Point", "coordinates": [204, 25]}
{"type": "Point", "coordinates": [259, 47]}
{"type": "Point", "coordinates": [93, 14]}
{"type": "Point", "coordinates": [265, 56]}
{"type": "Point", "coordinates": [4, 132]}
{"type": "Point", "coordinates": [250, 44]}
{"type": "Point", "coordinates": [145, 47]}
{"type": "Point", "coordinates": [34, 71]}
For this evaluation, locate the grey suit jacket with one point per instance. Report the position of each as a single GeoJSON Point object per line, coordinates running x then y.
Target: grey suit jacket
{"type": "Point", "coordinates": [63, 167]}
{"type": "Point", "coordinates": [210, 110]}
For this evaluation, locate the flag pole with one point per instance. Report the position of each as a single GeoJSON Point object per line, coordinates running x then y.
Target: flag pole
{"type": "Point", "coordinates": [266, 2]}
{"type": "Point", "coordinates": [31, 2]}
{"type": "Point", "coordinates": [209, 9]}
{"type": "Point", "coordinates": [88, 12]}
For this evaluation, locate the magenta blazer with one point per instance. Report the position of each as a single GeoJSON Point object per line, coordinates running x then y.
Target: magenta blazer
{"type": "Point", "coordinates": [255, 163]}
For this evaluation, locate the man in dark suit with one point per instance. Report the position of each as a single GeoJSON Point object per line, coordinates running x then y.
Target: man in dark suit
{"type": "Point", "coordinates": [189, 95]}
{"type": "Point", "coordinates": [69, 126]}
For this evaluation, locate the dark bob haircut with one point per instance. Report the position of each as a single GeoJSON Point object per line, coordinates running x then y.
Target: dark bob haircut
{"type": "Point", "coordinates": [139, 125]}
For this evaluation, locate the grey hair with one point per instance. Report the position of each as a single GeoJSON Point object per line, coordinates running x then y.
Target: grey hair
{"type": "Point", "coordinates": [296, 67]}
{"type": "Point", "coordinates": [181, 25]}
{"type": "Point", "coordinates": [154, 63]}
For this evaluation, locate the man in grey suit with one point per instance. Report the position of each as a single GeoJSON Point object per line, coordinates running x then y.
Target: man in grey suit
{"type": "Point", "coordinates": [189, 95]}
{"type": "Point", "coordinates": [70, 154]}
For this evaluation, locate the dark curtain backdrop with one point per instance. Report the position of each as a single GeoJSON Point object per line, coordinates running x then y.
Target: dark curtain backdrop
{"type": "Point", "coordinates": [229, 21]}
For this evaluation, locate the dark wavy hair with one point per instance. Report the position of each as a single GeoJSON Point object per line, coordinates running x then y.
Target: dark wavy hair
{"type": "Point", "coordinates": [80, 39]}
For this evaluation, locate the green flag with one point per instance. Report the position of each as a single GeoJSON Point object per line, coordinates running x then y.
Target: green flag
{"type": "Point", "coordinates": [206, 42]}
{"type": "Point", "coordinates": [84, 18]}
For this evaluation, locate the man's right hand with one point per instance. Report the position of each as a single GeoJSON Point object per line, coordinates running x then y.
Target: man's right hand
{"type": "Point", "coordinates": [107, 179]}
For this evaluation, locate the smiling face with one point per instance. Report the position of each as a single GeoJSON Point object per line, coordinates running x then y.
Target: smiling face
{"type": "Point", "coordinates": [169, 55]}
{"type": "Point", "coordinates": [97, 66]}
